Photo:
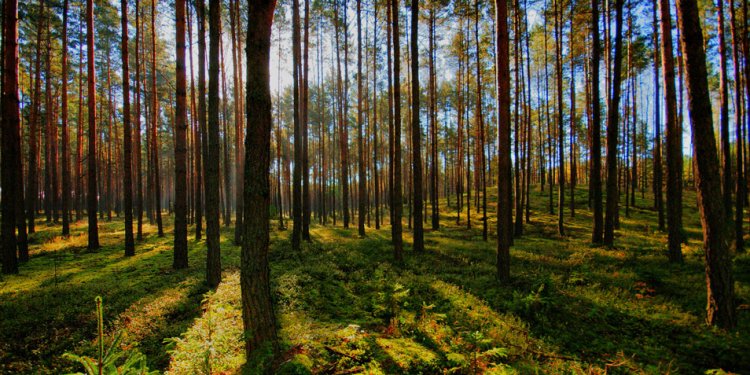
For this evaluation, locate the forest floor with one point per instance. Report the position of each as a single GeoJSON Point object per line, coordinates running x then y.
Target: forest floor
{"type": "Point", "coordinates": [344, 308]}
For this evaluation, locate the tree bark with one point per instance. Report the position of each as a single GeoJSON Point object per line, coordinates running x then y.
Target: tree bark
{"type": "Point", "coordinates": [502, 61]}
{"type": "Point", "coordinates": [674, 139]}
{"type": "Point", "coordinates": [127, 145]}
{"type": "Point", "coordinates": [180, 259]}
{"type": "Point", "coordinates": [596, 147]}
{"type": "Point", "coordinates": [397, 203]}
{"type": "Point", "coordinates": [612, 131]}
{"type": "Point", "coordinates": [213, 256]}
{"type": "Point", "coordinates": [257, 306]}
{"type": "Point", "coordinates": [416, 131]}
{"type": "Point", "coordinates": [65, 162]}
{"type": "Point", "coordinates": [93, 228]}
{"type": "Point", "coordinates": [10, 169]}
{"type": "Point", "coordinates": [719, 282]}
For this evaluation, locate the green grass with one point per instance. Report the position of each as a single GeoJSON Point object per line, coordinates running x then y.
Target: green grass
{"type": "Point", "coordinates": [343, 306]}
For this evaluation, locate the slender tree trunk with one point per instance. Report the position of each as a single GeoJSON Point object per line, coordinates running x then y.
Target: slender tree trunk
{"type": "Point", "coordinates": [257, 306]}
{"type": "Point", "coordinates": [304, 128]}
{"type": "Point", "coordinates": [93, 228]}
{"type": "Point", "coordinates": [397, 204]}
{"type": "Point", "coordinates": [201, 138]}
{"type": "Point", "coordinates": [725, 152]}
{"type": "Point", "coordinates": [375, 171]}
{"type": "Point", "coordinates": [213, 257]}
{"type": "Point", "coordinates": [560, 119]}
{"type": "Point", "coordinates": [180, 259]}
{"type": "Point", "coordinates": [612, 132]}
{"type": "Point", "coordinates": [239, 121]}
{"type": "Point", "coordinates": [435, 196]}
{"type": "Point", "coordinates": [127, 146]}
{"type": "Point", "coordinates": [155, 126]}
{"type": "Point", "coordinates": [416, 132]}
{"type": "Point", "coordinates": [79, 138]}
{"type": "Point", "coordinates": [658, 180]}
{"type": "Point", "coordinates": [674, 139]}
{"type": "Point", "coordinates": [502, 60]}
{"type": "Point", "coordinates": [137, 131]}
{"type": "Point", "coordinates": [740, 185]}
{"type": "Point", "coordinates": [65, 163]}
{"type": "Point", "coordinates": [10, 169]}
{"type": "Point", "coordinates": [596, 148]}
{"type": "Point", "coordinates": [360, 137]}
{"type": "Point", "coordinates": [297, 171]}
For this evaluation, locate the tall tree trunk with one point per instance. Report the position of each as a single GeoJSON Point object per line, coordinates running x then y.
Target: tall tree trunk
{"type": "Point", "coordinates": [479, 123]}
{"type": "Point", "coordinates": [93, 228]}
{"type": "Point", "coordinates": [658, 180]}
{"type": "Point", "coordinates": [127, 132]}
{"type": "Point", "coordinates": [137, 131]}
{"type": "Point", "coordinates": [180, 259]}
{"type": "Point", "coordinates": [79, 136]}
{"type": "Point", "coordinates": [10, 169]}
{"type": "Point", "coordinates": [740, 185]}
{"type": "Point", "coordinates": [560, 119]}
{"type": "Point", "coordinates": [719, 282]}
{"type": "Point", "coordinates": [201, 138]}
{"type": "Point", "coordinates": [674, 139]}
{"type": "Point", "coordinates": [213, 257]}
{"type": "Point", "coordinates": [596, 147]}
{"type": "Point", "coordinates": [360, 137]}
{"type": "Point", "coordinates": [502, 60]}
{"type": "Point", "coordinates": [612, 132]}
{"type": "Point", "coordinates": [239, 121]}
{"type": "Point", "coordinates": [297, 171]}
{"type": "Point", "coordinates": [65, 163]}
{"type": "Point", "coordinates": [257, 306]}
{"type": "Point", "coordinates": [435, 196]}
{"type": "Point", "coordinates": [155, 126]}
{"type": "Point", "coordinates": [397, 203]}
{"type": "Point", "coordinates": [375, 171]}
{"type": "Point", "coordinates": [304, 127]}
{"type": "Point", "coordinates": [416, 131]}
{"type": "Point", "coordinates": [725, 152]}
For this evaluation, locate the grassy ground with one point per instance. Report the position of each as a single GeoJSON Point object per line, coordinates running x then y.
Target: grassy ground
{"type": "Point", "coordinates": [344, 308]}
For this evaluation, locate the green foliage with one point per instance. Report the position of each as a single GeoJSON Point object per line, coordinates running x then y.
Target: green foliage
{"type": "Point", "coordinates": [116, 360]}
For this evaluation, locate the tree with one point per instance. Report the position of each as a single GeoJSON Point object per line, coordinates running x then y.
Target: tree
{"type": "Point", "coordinates": [65, 163]}
{"type": "Point", "coordinates": [10, 169]}
{"type": "Point", "coordinates": [416, 132]}
{"type": "Point", "coordinates": [396, 194]}
{"type": "Point", "coordinates": [726, 152]}
{"type": "Point", "coordinates": [360, 137]}
{"type": "Point", "coordinates": [127, 145]}
{"type": "Point", "coordinates": [719, 282]}
{"type": "Point", "coordinates": [504, 219]}
{"type": "Point", "coordinates": [613, 118]}
{"type": "Point", "coordinates": [137, 130]}
{"type": "Point", "coordinates": [156, 185]}
{"type": "Point", "coordinates": [93, 229]}
{"type": "Point", "coordinates": [740, 185]}
{"type": "Point", "coordinates": [674, 139]}
{"type": "Point", "coordinates": [180, 144]}
{"type": "Point", "coordinates": [658, 195]}
{"type": "Point", "coordinates": [560, 116]}
{"type": "Point", "coordinates": [201, 137]}
{"type": "Point", "coordinates": [257, 307]}
{"type": "Point", "coordinates": [596, 146]}
{"type": "Point", "coordinates": [213, 257]}
{"type": "Point", "coordinates": [297, 173]}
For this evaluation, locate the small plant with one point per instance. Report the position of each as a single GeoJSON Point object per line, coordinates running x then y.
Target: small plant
{"type": "Point", "coordinates": [131, 362]}
{"type": "Point", "coordinates": [389, 303]}
{"type": "Point", "coordinates": [477, 353]}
